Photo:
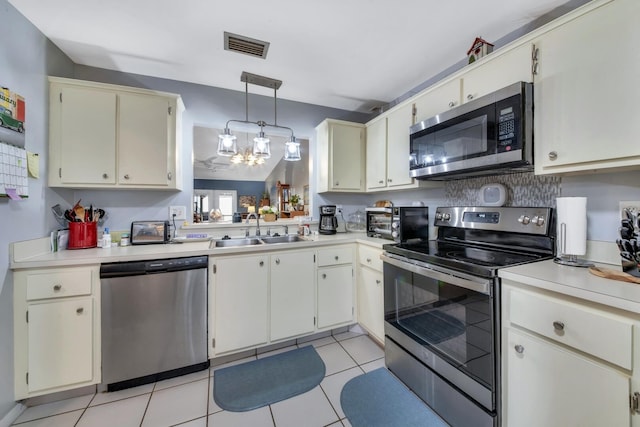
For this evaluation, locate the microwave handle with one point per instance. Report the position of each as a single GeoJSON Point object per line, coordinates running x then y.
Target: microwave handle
{"type": "Point", "coordinates": [482, 286]}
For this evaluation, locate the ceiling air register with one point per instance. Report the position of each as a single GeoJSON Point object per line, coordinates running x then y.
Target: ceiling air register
{"type": "Point", "coordinates": [227, 145]}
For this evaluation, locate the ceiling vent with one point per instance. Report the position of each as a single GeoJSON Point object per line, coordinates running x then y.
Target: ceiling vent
{"type": "Point", "coordinates": [246, 45]}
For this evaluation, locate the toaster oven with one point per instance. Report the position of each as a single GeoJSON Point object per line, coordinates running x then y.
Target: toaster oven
{"type": "Point", "coordinates": [398, 223]}
{"type": "Point", "coordinates": [149, 232]}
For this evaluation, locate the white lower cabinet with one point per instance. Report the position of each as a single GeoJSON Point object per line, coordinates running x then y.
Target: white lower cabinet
{"type": "Point", "coordinates": [371, 292]}
{"type": "Point", "coordinates": [56, 329]}
{"type": "Point", "coordinates": [335, 286]}
{"type": "Point", "coordinates": [566, 362]}
{"type": "Point", "coordinates": [241, 292]}
{"type": "Point", "coordinates": [259, 299]}
{"type": "Point", "coordinates": [292, 294]}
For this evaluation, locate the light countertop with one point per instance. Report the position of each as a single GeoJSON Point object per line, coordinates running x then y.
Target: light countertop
{"type": "Point", "coordinates": [32, 254]}
{"type": "Point", "coordinates": [576, 282]}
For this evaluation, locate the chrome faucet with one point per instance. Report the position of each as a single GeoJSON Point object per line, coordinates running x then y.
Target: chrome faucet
{"type": "Point", "coordinates": [257, 223]}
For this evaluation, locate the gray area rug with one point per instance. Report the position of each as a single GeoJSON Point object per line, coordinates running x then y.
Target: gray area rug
{"type": "Point", "coordinates": [379, 399]}
{"type": "Point", "coordinates": [268, 380]}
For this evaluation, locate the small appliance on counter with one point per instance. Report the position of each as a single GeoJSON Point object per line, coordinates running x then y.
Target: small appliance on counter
{"type": "Point", "coordinates": [149, 232]}
{"type": "Point", "coordinates": [398, 223]}
{"type": "Point", "coordinates": [328, 222]}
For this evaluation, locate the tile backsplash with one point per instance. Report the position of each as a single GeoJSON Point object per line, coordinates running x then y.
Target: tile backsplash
{"type": "Point", "coordinates": [523, 189]}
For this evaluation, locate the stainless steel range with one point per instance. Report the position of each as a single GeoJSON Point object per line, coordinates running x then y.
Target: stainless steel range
{"type": "Point", "coordinates": [442, 306]}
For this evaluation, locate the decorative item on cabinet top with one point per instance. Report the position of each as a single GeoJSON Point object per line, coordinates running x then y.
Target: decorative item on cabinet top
{"type": "Point", "coordinates": [479, 48]}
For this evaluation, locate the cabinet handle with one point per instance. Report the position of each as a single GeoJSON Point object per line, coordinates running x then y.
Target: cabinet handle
{"type": "Point", "coordinates": [380, 182]}
{"type": "Point", "coordinates": [558, 326]}
{"type": "Point", "coordinates": [553, 155]}
{"type": "Point", "coordinates": [368, 259]}
{"type": "Point", "coordinates": [169, 176]}
{"type": "Point", "coordinates": [377, 281]}
{"type": "Point", "coordinates": [389, 180]}
{"type": "Point", "coordinates": [126, 176]}
{"type": "Point", "coordinates": [324, 276]}
{"type": "Point", "coordinates": [452, 104]}
{"type": "Point", "coordinates": [277, 261]}
{"type": "Point", "coordinates": [534, 68]}
{"type": "Point", "coordinates": [336, 257]}
{"type": "Point", "coordinates": [80, 310]}
{"type": "Point", "coordinates": [470, 97]}
{"type": "Point", "coordinates": [105, 176]}
{"type": "Point", "coordinates": [56, 288]}
{"type": "Point", "coordinates": [261, 263]}
{"type": "Point", "coordinates": [519, 349]}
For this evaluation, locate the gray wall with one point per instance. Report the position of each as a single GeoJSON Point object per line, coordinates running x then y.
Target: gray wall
{"type": "Point", "coordinates": [27, 58]}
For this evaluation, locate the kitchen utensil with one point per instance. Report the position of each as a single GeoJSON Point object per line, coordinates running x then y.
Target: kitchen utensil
{"type": "Point", "coordinates": [613, 274]}
{"type": "Point", "coordinates": [626, 232]}
{"type": "Point", "coordinates": [59, 215]}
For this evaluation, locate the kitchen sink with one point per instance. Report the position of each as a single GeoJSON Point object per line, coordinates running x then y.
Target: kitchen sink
{"type": "Point", "coordinates": [236, 242]}
{"type": "Point", "coordinates": [282, 239]}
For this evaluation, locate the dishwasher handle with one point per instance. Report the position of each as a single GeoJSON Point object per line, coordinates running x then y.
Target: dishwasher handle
{"type": "Point", "coordinates": [138, 268]}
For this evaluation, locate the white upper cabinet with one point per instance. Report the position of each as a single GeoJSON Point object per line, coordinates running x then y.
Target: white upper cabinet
{"type": "Point", "coordinates": [107, 136]}
{"type": "Point", "coordinates": [495, 72]}
{"type": "Point", "coordinates": [438, 99]}
{"type": "Point", "coordinates": [341, 156]}
{"type": "Point", "coordinates": [586, 116]}
{"type": "Point", "coordinates": [377, 154]}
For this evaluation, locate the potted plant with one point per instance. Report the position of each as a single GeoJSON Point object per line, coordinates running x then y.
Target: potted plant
{"type": "Point", "coordinates": [268, 213]}
{"type": "Point", "coordinates": [264, 201]}
{"type": "Point", "coordinates": [294, 199]}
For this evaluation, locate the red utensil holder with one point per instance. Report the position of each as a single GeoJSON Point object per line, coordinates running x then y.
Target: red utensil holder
{"type": "Point", "coordinates": [83, 235]}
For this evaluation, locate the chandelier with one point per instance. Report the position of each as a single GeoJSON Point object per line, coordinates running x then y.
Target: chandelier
{"type": "Point", "coordinates": [227, 142]}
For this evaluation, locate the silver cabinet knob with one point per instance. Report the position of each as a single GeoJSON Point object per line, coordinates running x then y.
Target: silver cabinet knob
{"type": "Point", "coordinates": [277, 261]}
{"type": "Point", "coordinates": [105, 176]}
{"type": "Point", "coordinates": [378, 281]}
{"type": "Point", "coordinates": [56, 288]}
{"type": "Point", "coordinates": [553, 155]}
{"type": "Point", "coordinates": [452, 104]}
{"type": "Point", "coordinates": [126, 176]}
{"type": "Point", "coordinates": [470, 97]}
{"type": "Point", "coordinates": [324, 276]}
{"type": "Point", "coordinates": [337, 183]}
{"type": "Point", "coordinates": [558, 326]}
{"type": "Point", "coordinates": [368, 259]}
{"type": "Point", "coordinates": [261, 263]}
{"type": "Point", "coordinates": [519, 349]}
{"type": "Point", "coordinates": [381, 182]}
{"type": "Point", "coordinates": [80, 310]}
{"type": "Point", "coordinates": [336, 257]}
{"type": "Point", "coordinates": [169, 176]}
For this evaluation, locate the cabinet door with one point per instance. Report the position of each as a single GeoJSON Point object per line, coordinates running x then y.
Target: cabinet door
{"type": "Point", "coordinates": [335, 295]}
{"type": "Point", "coordinates": [241, 299]}
{"type": "Point", "coordinates": [370, 302]}
{"type": "Point", "coordinates": [143, 140]}
{"type": "Point", "coordinates": [347, 147]}
{"type": "Point", "coordinates": [550, 386]}
{"type": "Point", "coordinates": [292, 294]}
{"type": "Point", "coordinates": [60, 343]}
{"type": "Point", "coordinates": [376, 170]}
{"type": "Point", "coordinates": [87, 135]}
{"type": "Point", "coordinates": [586, 113]}
{"type": "Point", "coordinates": [494, 73]}
{"type": "Point", "coordinates": [437, 100]}
{"type": "Point", "coordinates": [398, 123]}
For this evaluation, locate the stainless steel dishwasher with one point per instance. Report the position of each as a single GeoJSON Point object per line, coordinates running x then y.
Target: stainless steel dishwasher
{"type": "Point", "coordinates": [154, 320]}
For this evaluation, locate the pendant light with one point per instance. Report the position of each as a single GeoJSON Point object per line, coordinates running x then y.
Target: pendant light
{"type": "Point", "coordinates": [261, 144]}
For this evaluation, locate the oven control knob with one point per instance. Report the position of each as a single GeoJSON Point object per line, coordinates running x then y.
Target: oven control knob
{"type": "Point", "coordinates": [446, 216]}
{"type": "Point", "coordinates": [394, 234]}
{"type": "Point", "coordinates": [394, 225]}
{"type": "Point", "coordinates": [524, 220]}
{"type": "Point", "coordinates": [438, 216]}
{"type": "Point", "coordinates": [538, 220]}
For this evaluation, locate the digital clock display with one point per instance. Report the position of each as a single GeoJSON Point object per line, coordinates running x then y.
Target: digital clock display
{"type": "Point", "coordinates": [481, 217]}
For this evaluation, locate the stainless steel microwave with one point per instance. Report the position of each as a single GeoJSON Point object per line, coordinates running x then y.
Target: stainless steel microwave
{"type": "Point", "coordinates": [487, 136]}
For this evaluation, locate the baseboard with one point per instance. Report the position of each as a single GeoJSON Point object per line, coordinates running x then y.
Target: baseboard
{"type": "Point", "coordinates": [12, 415]}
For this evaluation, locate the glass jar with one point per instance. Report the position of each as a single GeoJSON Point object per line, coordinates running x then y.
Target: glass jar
{"type": "Point", "coordinates": [356, 221]}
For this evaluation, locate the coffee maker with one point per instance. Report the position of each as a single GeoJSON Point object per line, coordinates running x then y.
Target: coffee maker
{"type": "Point", "coordinates": [328, 221]}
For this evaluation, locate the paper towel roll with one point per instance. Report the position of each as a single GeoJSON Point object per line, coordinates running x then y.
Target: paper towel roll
{"type": "Point", "coordinates": [572, 225]}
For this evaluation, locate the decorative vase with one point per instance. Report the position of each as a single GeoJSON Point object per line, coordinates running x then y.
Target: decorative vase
{"type": "Point", "coordinates": [269, 217]}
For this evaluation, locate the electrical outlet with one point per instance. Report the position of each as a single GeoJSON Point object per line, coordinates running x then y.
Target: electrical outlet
{"type": "Point", "coordinates": [180, 212]}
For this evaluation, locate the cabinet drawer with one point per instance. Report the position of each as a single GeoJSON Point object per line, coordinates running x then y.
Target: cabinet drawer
{"type": "Point", "coordinates": [370, 257]}
{"type": "Point", "coordinates": [58, 283]}
{"type": "Point", "coordinates": [595, 332]}
{"type": "Point", "coordinates": [335, 256]}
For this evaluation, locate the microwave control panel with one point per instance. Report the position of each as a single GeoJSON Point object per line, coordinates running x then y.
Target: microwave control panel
{"type": "Point", "coordinates": [507, 124]}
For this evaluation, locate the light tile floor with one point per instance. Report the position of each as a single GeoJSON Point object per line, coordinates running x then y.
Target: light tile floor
{"type": "Point", "coordinates": [187, 401]}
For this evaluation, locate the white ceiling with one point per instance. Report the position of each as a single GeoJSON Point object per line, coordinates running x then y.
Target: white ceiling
{"type": "Point", "coordinates": [352, 55]}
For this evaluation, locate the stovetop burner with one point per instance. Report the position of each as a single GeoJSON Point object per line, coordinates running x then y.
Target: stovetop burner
{"type": "Point", "coordinates": [480, 240]}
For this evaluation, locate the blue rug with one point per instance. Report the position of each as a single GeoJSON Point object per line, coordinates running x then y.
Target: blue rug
{"type": "Point", "coordinates": [379, 399]}
{"type": "Point", "coordinates": [265, 381]}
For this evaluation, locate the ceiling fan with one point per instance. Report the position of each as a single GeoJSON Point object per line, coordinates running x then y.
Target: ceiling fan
{"type": "Point", "coordinates": [211, 164]}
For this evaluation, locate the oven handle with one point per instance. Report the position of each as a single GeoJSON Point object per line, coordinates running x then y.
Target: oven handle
{"type": "Point", "coordinates": [482, 286]}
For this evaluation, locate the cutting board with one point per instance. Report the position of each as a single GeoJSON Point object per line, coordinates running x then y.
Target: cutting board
{"type": "Point", "coordinates": [613, 274]}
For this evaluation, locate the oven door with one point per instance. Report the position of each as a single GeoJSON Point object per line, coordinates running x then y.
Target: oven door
{"type": "Point", "coordinates": [448, 321]}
